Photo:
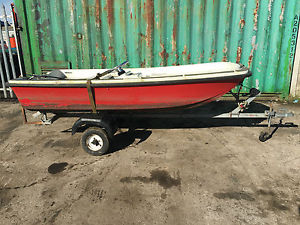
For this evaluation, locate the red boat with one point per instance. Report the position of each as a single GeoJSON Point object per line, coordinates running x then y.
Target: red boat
{"type": "Point", "coordinates": [133, 89]}
{"type": "Point", "coordinates": [149, 88]}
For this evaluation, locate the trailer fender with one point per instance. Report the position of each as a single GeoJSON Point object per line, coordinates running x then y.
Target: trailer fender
{"type": "Point", "coordinates": [106, 125]}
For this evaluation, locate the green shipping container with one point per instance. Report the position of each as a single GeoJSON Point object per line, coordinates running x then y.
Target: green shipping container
{"type": "Point", "coordinates": [260, 34]}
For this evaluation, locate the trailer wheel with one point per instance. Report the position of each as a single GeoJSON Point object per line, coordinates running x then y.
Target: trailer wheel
{"type": "Point", "coordinates": [264, 136]}
{"type": "Point", "coordinates": [95, 141]}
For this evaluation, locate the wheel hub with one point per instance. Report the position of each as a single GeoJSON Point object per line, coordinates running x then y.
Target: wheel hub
{"type": "Point", "coordinates": [94, 142]}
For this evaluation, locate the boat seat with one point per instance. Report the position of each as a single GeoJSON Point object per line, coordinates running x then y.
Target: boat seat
{"type": "Point", "coordinates": [57, 74]}
{"type": "Point", "coordinates": [53, 75]}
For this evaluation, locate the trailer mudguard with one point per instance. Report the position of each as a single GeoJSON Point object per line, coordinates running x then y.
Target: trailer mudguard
{"type": "Point", "coordinates": [106, 125]}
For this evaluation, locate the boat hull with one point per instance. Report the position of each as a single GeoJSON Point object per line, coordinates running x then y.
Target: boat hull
{"type": "Point", "coordinates": [156, 96]}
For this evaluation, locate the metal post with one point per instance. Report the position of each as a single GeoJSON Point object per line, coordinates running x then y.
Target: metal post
{"type": "Point", "coordinates": [5, 59]}
{"type": "Point", "coordinates": [24, 115]}
{"type": "Point", "coordinates": [3, 81]}
{"type": "Point", "coordinates": [8, 43]}
{"type": "Point", "coordinates": [17, 40]}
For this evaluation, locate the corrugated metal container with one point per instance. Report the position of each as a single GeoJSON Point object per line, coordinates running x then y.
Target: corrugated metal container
{"type": "Point", "coordinates": [102, 33]}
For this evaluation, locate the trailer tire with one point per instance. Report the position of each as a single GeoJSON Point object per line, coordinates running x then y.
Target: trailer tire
{"type": "Point", "coordinates": [95, 141]}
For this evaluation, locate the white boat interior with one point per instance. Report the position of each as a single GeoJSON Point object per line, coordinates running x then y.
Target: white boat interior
{"type": "Point", "coordinates": [216, 68]}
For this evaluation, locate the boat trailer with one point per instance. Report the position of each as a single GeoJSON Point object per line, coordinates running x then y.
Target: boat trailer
{"type": "Point", "coordinates": [99, 128]}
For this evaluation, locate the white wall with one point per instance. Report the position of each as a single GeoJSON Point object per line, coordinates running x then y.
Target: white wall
{"type": "Point", "coordinates": [295, 83]}
{"type": "Point", "coordinates": [298, 83]}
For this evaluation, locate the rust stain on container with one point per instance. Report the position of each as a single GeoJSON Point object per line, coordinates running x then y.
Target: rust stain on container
{"type": "Point", "coordinates": [37, 14]}
{"type": "Point", "coordinates": [150, 20]}
{"type": "Point", "coordinates": [121, 17]}
{"type": "Point", "coordinates": [174, 34]}
{"type": "Point", "coordinates": [254, 47]}
{"type": "Point", "coordinates": [87, 11]}
{"type": "Point", "coordinates": [189, 57]}
{"type": "Point", "coordinates": [97, 14]}
{"type": "Point", "coordinates": [110, 12]}
{"type": "Point", "coordinates": [225, 49]}
{"type": "Point", "coordinates": [72, 6]}
{"type": "Point", "coordinates": [163, 54]}
{"type": "Point", "coordinates": [250, 60]}
{"type": "Point", "coordinates": [239, 53]}
{"type": "Point", "coordinates": [212, 55]}
{"type": "Point", "coordinates": [212, 52]}
{"type": "Point", "coordinates": [184, 50]}
{"type": "Point", "coordinates": [202, 54]}
{"type": "Point", "coordinates": [174, 44]}
{"type": "Point", "coordinates": [125, 49]}
{"type": "Point", "coordinates": [142, 36]}
{"type": "Point", "coordinates": [282, 13]}
{"type": "Point", "coordinates": [242, 23]}
{"type": "Point", "coordinates": [103, 57]}
{"type": "Point", "coordinates": [255, 13]}
{"type": "Point", "coordinates": [228, 5]}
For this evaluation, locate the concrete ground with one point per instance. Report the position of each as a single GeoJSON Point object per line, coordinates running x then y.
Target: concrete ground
{"type": "Point", "coordinates": [175, 172]}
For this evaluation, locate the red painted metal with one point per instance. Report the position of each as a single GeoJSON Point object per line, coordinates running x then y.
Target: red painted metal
{"type": "Point", "coordinates": [122, 98]}
{"type": "Point", "coordinates": [12, 41]}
